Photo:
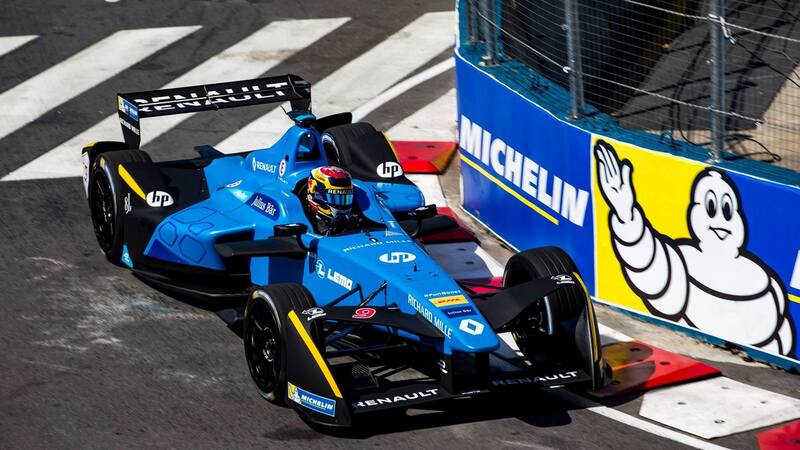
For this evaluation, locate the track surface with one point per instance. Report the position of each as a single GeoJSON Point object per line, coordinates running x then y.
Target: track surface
{"type": "Point", "coordinates": [92, 357]}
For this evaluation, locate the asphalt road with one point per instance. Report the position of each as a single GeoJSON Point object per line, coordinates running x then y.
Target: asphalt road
{"type": "Point", "coordinates": [94, 358]}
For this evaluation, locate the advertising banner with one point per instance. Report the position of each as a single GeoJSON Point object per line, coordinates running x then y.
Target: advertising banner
{"type": "Point", "coordinates": [699, 246]}
{"type": "Point", "coordinates": [704, 248]}
{"type": "Point", "coordinates": [525, 174]}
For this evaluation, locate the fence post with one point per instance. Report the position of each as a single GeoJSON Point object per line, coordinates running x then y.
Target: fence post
{"type": "Point", "coordinates": [717, 72]}
{"type": "Point", "coordinates": [488, 31]}
{"type": "Point", "coordinates": [472, 15]}
{"type": "Point", "coordinates": [571, 27]}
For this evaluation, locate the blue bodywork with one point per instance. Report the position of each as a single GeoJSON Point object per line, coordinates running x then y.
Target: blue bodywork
{"type": "Point", "coordinates": [252, 193]}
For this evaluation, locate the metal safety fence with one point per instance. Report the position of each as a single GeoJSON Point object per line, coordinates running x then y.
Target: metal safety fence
{"type": "Point", "coordinates": [720, 74]}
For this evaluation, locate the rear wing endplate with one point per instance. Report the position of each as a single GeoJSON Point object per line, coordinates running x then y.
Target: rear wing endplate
{"type": "Point", "coordinates": [133, 106]}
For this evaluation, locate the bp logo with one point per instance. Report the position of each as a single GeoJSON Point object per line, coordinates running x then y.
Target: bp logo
{"type": "Point", "coordinates": [397, 257]}
{"type": "Point", "coordinates": [320, 267]}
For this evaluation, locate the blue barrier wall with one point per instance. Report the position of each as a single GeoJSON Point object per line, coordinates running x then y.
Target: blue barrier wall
{"type": "Point", "coordinates": [711, 250]}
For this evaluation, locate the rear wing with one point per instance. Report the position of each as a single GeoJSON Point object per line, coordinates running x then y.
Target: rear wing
{"type": "Point", "coordinates": [134, 106]}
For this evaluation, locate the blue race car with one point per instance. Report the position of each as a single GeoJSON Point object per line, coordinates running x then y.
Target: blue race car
{"type": "Point", "coordinates": [345, 311]}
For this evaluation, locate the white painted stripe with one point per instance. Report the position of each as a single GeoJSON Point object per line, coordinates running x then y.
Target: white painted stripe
{"type": "Point", "coordinates": [465, 260]}
{"type": "Point", "coordinates": [249, 58]}
{"type": "Point", "coordinates": [11, 43]}
{"type": "Point", "coordinates": [609, 335]}
{"type": "Point", "coordinates": [632, 421]}
{"type": "Point", "coordinates": [435, 121]}
{"type": "Point", "coordinates": [718, 407]}
{"type": "Point", "coordinates": [430, 187]}
{"type": "Point", "coordinates": [359, 80]}
{"type": "Point", "coordinates": [78, 73]}
{"type": "Point", "coordinates": [401, 88]}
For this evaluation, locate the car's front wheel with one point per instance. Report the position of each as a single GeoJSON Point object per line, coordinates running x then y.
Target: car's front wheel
{"type": "Point", "coordinates": [265, 330]}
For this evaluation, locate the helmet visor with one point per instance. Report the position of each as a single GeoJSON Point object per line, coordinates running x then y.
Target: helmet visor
{"type": "Point", "coordinates": [339, 198]}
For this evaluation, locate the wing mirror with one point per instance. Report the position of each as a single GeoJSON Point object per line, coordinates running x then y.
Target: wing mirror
{"type": "Point", "coordinates": [420, 214]}
{"type": "Point", "coordinates": [295, 230]}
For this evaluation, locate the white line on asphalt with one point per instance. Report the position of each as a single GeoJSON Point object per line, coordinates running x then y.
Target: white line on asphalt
{"type": "Point", "coordinates": [401, 87]}
{"type": "Point", "coordinates": [435, 121]}
{"type": "Point", "coordinates": [249, 58]}
{"type": "Point", "coordinates": [78, 73]}
{"type": "Point", "coordinates": [11, 43]}
{"type": "Point", "coordinates": [359, 80]}
{"type": "Point", "coordinates": [632, 421]}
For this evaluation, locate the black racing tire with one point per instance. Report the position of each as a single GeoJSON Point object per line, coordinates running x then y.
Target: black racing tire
{"type": "Point", "coordinates": [265, 330]}
{"type": "Point", "coordinates": [106, 200]}
{"type": "Point", "coordinates": [545, 262]}
{"type": "Point", "coordinates": [336, 141]}
{"type": "Point", "coordinates": [566, 304]}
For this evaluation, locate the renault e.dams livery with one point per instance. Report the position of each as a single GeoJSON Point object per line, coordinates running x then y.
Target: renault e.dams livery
{"type": "Point", "coordinates": [336, 323]}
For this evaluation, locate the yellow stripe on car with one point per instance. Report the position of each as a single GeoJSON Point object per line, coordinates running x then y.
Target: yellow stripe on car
{"type": "Point", "coordinates": [592, 321]}
{"type": "Point", "coordinates": [131, 182]}
{"type": "Point", "coordinates": [314, 352]}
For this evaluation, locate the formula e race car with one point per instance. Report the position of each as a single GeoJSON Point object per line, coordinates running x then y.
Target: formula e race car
{"type": "Point", "coordinates": [335, 324]}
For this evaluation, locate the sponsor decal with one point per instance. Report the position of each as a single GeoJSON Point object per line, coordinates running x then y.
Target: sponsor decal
{"type": "Point", "coordinates": [240, 194]}
{"type": "Point", "coordinates": [548, 190]}
{"type": "Point", "coordinates": [320, 268]}
{"type": "Point", "coordinates": [470, 326]}
{"type": "Point", "coordinates": [442, 365]}
{"type": "Point", "coordinates": [562, 279]}
{"type": "Point", "coordinates": [377, 242]}
{"type": "Point", "coordinates": [313, 313]}
{"type": "Point", "coordinates": [129, 126]}
{"type": "Point", "coordinates": [397, 257]}
{"type": "Point", "coordinates": [85, 161]}
{"type": "Point", "coordinates": [428, 315]}
{"type": "Point", "coordinates": [392, 399]}
{"type": "Point", "coordinates": [127, 203]}
{"type": "Point", "coordinates": [364, 313]}
{"type": "Point", "coordinates": [442, 293]}
{"type": "Point", "coordinates": [126, 257]}
{"type": "Point", "coordinates": [128, 108]}
{"type": "Point", "coordinates": [203, 96]}
{"type": "Point", "coordinates": [282, 168]}
{"type": "Point", "coordinates": [234, 184]}
{"type": "Point", "coordinates": [459, 311]}
{"type": "Point", "coordinates": [389, 169]}
{"type": "Point", "coordinates": [541, 379]}
{"type": "Point", "coordinates": [158, 199]}
{"type": "Point", "coordinates": [332, 275]}
{"type": "Point", "coordinates": [264, 167]}
{"type": "Point", "coordinates": [452, 300]}
{"type": "Point", "coordinates": [264, 204]}
{"type": "Point", "coordinates": [314, 402]}
{"type": "Point", "coordinates": [340, 279]}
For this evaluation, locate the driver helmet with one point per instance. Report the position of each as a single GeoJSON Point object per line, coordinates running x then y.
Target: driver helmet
{"type": "Point", "coordinates": [330, 194]}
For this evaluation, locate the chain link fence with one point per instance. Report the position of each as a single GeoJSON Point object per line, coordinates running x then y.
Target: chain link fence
{"type": "Point", "coordinates": [714, 73]}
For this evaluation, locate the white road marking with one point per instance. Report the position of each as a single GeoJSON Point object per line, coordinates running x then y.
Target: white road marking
{"type": "Point", "coordinates": [430, 187]}
{"type": "Point", "coordinates": [632, 421]}
{"type": "Point", "coordinates": [80, 72]}
{"type": "Point", "coordinates": [609, 335]}
{"type": "Point", "coordinates": [433, 122]}
{"type": "Point", "coordinates": [359, 80]}
{"type": "Point", "coordinates": [401, 88]}
{"type": "Point", "coordinates": [11, 43]}
{"type": "Point", "coordinates": [249, 58]}
{"type": "Point", "coordinates": [718, 407]}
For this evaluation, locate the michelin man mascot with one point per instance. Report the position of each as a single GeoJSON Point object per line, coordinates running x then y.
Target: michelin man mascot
{"type": "Point", "coordinates": [709, 281]}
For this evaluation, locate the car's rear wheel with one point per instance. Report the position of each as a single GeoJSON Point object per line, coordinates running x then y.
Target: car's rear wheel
{"type": "Point", "coordinates": [105, 200]}
{"type": "Point", "coordinates": [265, 330]}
